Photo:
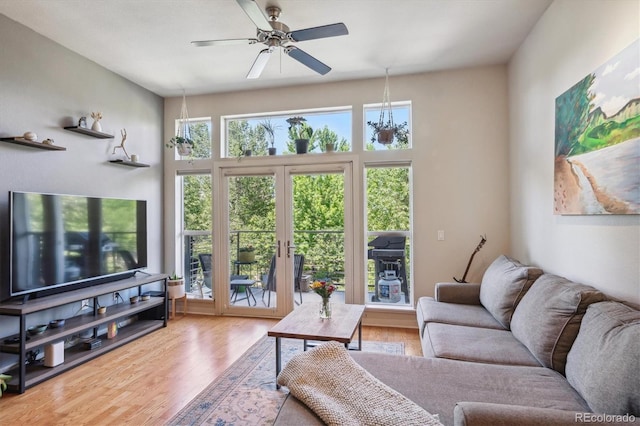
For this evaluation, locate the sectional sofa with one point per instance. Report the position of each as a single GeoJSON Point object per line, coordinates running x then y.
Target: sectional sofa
{"type": "Point", "coordinates": [521, 348]}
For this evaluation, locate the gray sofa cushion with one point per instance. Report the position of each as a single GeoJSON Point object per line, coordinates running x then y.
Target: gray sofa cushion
{"type": "Point", "coordinates": [438, 384]}
{"type": "Point", "coordinates": [428, 310]}
{"type": "Point", "coordinates": [548, 318]}
{"type": "Point", "coordinates": [504, 283]}
{"type": "Point", "coordinates": [604, 362]}
{"type": "Point", "coordinates": [477, 345]}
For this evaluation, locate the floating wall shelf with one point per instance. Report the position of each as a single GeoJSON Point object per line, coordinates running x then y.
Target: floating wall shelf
{"type": "Point", "coordinates": [39, 145]}
{"type": "Point", "coordinates": [129, 163]}
{"type": "Point", "coordinates": [89, 132]}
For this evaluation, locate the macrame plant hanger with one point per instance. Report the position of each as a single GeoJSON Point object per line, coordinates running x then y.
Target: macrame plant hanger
{"type": "Point", "coordinates": [385, 134]}
{"type": "Point", "coordinates": [184, 129]}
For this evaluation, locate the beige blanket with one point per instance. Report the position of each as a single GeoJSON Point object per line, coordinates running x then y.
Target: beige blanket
{"type": "Point", "coordinates": [341, 392]}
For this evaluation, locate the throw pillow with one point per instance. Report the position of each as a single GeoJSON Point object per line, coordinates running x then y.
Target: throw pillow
{"type": "Point", "coordinates": [503, 285]}
{"type": "Point", "coordinates": [548, 318]}
{"type": "Point", "coordinates": [604, 363]}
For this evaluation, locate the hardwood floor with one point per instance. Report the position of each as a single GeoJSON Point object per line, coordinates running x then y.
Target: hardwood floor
{"type": "Point", "coordinates": [148, 381]}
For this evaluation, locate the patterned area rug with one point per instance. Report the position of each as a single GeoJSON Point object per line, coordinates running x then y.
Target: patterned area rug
{"type": "Point", "coordinates": [246, 394]}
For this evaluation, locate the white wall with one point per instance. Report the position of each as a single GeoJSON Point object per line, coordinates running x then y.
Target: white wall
{"type": "Point", "coordinates": [573, 38]}
{"type": "Point", "coordinates": [44, 87]}
{"type": "Point", "coordinates": [460, 167]}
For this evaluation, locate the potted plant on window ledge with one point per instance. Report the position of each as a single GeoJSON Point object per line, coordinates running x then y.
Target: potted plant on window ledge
{"type": "Point", "coordinates": [301, 133]}
{"type": "Point", "coordinates": [270, 130]}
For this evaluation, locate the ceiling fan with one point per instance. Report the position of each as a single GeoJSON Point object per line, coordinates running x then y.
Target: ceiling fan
{"type": "Point", "coordinates": [274, 34]}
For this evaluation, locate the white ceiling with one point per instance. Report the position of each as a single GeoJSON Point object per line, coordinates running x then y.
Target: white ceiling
{"type": "Point", "coordinates": [148, 41]}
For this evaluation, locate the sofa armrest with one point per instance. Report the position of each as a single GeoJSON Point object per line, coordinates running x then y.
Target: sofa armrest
{"type": "Point", "coordinates": [490, 414]}
{"type": "Point", "coordinates": [465, 294]}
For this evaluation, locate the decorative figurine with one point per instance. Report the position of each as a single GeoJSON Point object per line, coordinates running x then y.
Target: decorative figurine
{"type": "Point", "coordinates": [123, 132]}
{"type": "Point", "coordinates": [82, 122]}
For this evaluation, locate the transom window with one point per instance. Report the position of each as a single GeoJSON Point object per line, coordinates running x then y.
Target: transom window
{"type": "Point", "coordinates": [253, 135]}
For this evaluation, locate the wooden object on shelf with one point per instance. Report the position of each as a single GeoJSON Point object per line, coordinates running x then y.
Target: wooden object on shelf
{"type": "Point", "coordinates": [89, 132]}
{"type": "Point", "coordinates": [129, 163]}
{"type": "Point", "coordinates": [151, 315]}
{"type": "Point", "coordinates": [39, 145]}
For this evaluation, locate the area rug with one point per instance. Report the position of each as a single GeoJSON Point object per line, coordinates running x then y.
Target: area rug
{"type": "Point", "coordinates": [246, 394]}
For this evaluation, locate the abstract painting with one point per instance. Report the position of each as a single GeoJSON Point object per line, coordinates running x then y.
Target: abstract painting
{"type": "Point", "coordinates": [597, 140]}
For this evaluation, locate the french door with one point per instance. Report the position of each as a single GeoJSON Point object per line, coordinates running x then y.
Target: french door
{"type": "Point", "coordinates": [283, 227]}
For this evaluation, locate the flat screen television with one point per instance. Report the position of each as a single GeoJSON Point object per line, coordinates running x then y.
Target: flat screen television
{"type": "Point", "coordinates": [61, 242]}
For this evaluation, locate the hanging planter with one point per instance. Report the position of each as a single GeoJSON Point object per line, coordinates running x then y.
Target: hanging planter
{"type": "Point", "coordinates": [182, 141]}
{"type": "Point", "coordinates": [385, 131]}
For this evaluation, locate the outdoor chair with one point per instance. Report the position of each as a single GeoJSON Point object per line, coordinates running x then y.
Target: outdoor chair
{"type": "Point", "coordinates": [205, 263]}
{"type": "Point", "coordinates": [298, 266]}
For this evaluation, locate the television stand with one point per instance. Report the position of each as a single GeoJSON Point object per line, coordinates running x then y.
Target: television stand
{"type": "Point", "coordinates": [137, 319]}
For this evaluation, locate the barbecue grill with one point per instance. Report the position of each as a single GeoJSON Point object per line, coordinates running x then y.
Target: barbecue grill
{"type": "Point", "coordinates": [388, 254]}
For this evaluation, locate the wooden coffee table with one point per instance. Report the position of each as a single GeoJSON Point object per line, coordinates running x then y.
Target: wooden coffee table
{"type": "Point", "coordinates": [305, 323]}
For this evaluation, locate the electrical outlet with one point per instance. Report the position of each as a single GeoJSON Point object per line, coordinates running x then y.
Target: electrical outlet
{"type": "Point", "coordinates": [441, 235]}
{"type": "Point", "coordinates": [85, 304]}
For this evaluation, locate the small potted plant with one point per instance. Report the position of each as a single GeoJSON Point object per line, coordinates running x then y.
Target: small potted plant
{"type": "Point", "coordinates": [175, 285]}
{"type": "Point", "coordinates": [301, 133]}
{"type": "Point", "coordinates": [183, 144]}
{"type": "Point", "coordinates": [246, 254]}
{"type": "Point", "coordinates": [270, 130]}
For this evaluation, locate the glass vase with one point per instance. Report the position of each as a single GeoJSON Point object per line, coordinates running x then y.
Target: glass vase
{"type": "Point", "coordinates": [325, 308]}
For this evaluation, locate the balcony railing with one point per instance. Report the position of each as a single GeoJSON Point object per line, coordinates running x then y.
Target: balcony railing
{"type": "Point", "coordinates": [323, 251]}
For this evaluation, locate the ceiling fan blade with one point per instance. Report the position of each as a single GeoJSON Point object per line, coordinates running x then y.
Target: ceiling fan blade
{"type": "Point", "coordinates": [331, 30]}
{"type": "Point", "coordinates": [305, 59]}
{"type": "Point", "coordinates": [259, 63]}
{"type": "Point", "coordinates": [254, 13]}
{"type": "Point", "coordinates": [224, 42]}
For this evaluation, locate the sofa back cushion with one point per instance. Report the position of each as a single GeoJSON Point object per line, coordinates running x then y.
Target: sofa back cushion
{"type": "Point", "coordinates": [503, 285]}
{"type": "Point", "coordinates": [604, 363]}
{"type": "Point", "coordinates": [548, 317]}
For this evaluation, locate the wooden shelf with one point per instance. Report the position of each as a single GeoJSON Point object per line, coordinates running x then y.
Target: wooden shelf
{"type": "Point", "coordinates": [39, 145]}
{"type": "Point", "coordinates": [129, 163]}
{"type": "Point", "coordinates": [89, 132]}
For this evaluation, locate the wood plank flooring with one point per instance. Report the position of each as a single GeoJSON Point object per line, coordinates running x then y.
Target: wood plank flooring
{"type": "Point", "coordinates": [148, 381]}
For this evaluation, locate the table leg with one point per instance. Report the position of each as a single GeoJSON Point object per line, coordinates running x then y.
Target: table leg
{"type": "Point", "coordinates": [360, 335]}
{"type": "Point", "coordinates": [247, 289]}
{"type": "Point", "coordinates": [305, 345]}
{"type": "Point", "coordinates": [278, 361]}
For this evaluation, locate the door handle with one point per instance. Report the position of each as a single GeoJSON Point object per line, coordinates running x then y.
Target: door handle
{"type": "Point", "coordinates": [278, 248]}
{"type": "Point", "coordinates": [289, 247]}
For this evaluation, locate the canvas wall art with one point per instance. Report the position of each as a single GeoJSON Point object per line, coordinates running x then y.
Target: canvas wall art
{"type": "Point", "coordinates": [597, 140]}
